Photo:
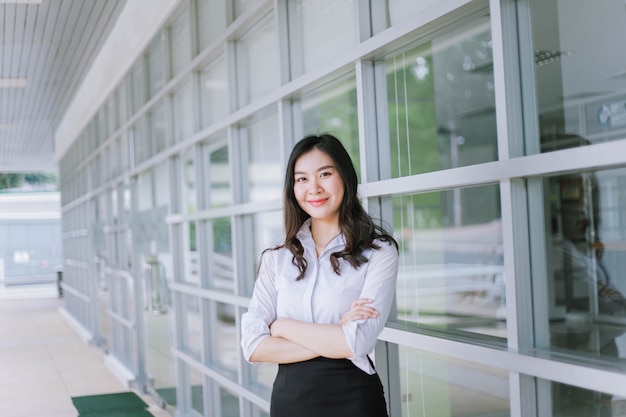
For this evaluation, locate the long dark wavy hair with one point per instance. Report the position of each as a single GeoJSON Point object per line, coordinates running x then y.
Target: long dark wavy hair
{"type": "Point", "coordinates": [355, 224]}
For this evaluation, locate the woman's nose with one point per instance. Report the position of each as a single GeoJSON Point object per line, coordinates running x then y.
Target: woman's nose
{"type": "Point", "coordinates": [315, 187]}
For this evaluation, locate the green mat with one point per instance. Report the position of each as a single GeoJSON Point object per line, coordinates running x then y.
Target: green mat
{"type": "Point", "coordinates": [136, 412]}
{"type": "Point", "coordinates": [121, 404]}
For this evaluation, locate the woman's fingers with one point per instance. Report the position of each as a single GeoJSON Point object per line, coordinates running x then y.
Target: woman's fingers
{"type": "Point", "coordinates": [361, 301]}
{"type": "Point", "coordinates": [359, 311]}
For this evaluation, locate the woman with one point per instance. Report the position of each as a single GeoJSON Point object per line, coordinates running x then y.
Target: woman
{"type": "Point", "coordinates": [322, 297]}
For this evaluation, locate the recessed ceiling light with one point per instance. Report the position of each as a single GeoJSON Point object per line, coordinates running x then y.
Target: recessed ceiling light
{"type": "Point", "coordinates": [12, 82]}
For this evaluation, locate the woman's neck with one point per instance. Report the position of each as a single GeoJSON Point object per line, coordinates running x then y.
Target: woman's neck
{"type": "Point", "coordinates": [323, 233]}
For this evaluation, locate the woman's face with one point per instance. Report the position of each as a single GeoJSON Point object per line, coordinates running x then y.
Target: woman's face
{"type": "Point", "coordinates": [318, 187]}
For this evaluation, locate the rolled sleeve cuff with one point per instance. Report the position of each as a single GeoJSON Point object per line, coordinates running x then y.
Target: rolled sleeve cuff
{"type": "Point", "coordinates": [350, 332]}
{"type": "Point", "coordinates": [253, 334]}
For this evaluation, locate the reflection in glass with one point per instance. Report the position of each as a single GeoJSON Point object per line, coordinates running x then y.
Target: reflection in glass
{"type": "Point", "coordinates": [123, 154]}
{"type": "Point", "coordinates": [434, 385]}
{"type": "Point", "coordinates": [138, 81]}
{"type": "Point", "coordinates": [265, 173]}
{"type": "Point", "coordinates": [268, 230]}
{"type": "Point", "coordinates": [214, 92]}
{"type": "Point", "coordinates": [156, 121]}
{"type": "Point", "coordinates": [159, 358]}
{"type": "Point", "coordinates": [333, 108]}
{"type": "Point", "coordinates": [156, 65]}
{"type": "Point", "coordinates": [570, 401]}
{"type": "Point", "coordinates": [580, 84]}
{"type": "Point", "coordinates": [122, 101]}
{"type": "Point", "coordinates": [192, 326]}
{"type": "Point", "coordinates": [220, 257]}
{"type": "Point", "coordinates": [241, 6]}
{"type": "Point", "coordinates": [190, 205]}
{"type": "Point", "coordinates": [451, 273]}
{"type": "Point", "coordinates": [224, 334]}
{"type": "Point", "coordinates": [181, 42]}
{"type": "Point", "coordinates": [586, 262]}
{"type": "Point", "coordinates": [401, 10]}
{"type": "Point", "coordinates": [219, 178]}
{"type": "Point", "coordinates": [183, 112]}
{"type": "Point", "coordinates": [317, 47]}
{"type": "Point", "coordinates": [197, 393]}
{"type": "Point", "coordinates": [211, 21]}
{"type": "Point", "coordinates": [441, 103]}
{"type": "Point", "coordinates": [257, 63]}
{"type": "Point", "coordinates": [141, 143]}
{"type": "Point", "coordinates": [229, 404]}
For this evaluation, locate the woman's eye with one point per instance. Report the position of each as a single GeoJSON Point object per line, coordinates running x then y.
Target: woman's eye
{"type": "Point", "coordinates": [324, 174]}
{"type": "Point", "coordinates": [300, 179]}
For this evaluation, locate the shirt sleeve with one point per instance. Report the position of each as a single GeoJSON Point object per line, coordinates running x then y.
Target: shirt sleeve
{"type": "Point", "coordinates": [255, 323]}
{"type": "Point", "coordinates": [380, 286]}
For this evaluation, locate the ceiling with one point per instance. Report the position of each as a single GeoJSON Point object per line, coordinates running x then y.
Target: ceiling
{"type": "Point", "coordinates": [47, 49]}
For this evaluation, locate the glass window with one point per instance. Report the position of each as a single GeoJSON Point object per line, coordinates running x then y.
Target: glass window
{"type": "Point", "coordinates": [189, 228]}
{"type": "Point", "coordinates": [229, 404]}
{"type": "Point", "coordinates": [585, 250]}
{"type": "Point", "coordinates": [580, 83]}
{"type": "Point", "coordinates": [123, 153]}
{"type": "Point", "coordinates": [214, 92]}
{"type": "Point", "coordinates": [219, 178]}
{"type": "Point", "coordinates": [144, 191]}
{"type": "Point", "coordinates": [241, 6]}
{"type": "Point", "coordinates": [441, 102]}
{"type": "Point", "coordinates": [103, 125]}
{"type": "Point", "coordinates": [267, 232]}
{"type": "Point", "coordinates": [257, 62]}
{"type": "Point", "coordinates": [403, 10]}
{"type": "Point", "coordinates": [211, 21]}
{"type": "Point", "coordinates": [138, 77]}
{"type": "Point", "coordinates": [192, 325]}
{"type": "Point", "coordinates": [141, 144]}
{"type": "Point", "coordinates": [264, 165]}
{"type": "Point", "coordinates": [220, 256]}
{"type": "Point", "coordinates": [156, 65]}
{"type": "Point", "coordinates": [324, 31]}
{"type": "Point", "coordinates": [333, 108]}
{"type": "Point", "coordinates": [451, 273]}
{"type": "Point", "coordinates": [181, 42]}
{"type": "Point", "coordinates": [193, 390]}
{"type": "Point", "coordinates": [113, 120]}
{"type": "Point", "coordinates": [122, 101]}
{"type": "Point", "coordinates": [183, 112]}
{"type": "Point", "coordinates": [435, 385]}
{"type": "Point", "coordinates": [225, 349]}
{"type": "Point", "coordinates": [157, 123]}
{"type": "Point", "coordinates": [162, 192]}
{"type": "Point", "coordinates": [568, 401]}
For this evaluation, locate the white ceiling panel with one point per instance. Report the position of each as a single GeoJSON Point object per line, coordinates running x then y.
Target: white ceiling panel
{"type": "Point", "coordinates": [51, 46]}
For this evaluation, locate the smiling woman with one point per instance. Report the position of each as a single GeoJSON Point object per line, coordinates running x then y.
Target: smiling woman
{"type": "Point", "coordinates": [323, 296]}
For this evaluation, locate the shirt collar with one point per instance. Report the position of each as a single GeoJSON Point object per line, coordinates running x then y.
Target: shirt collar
{"type": "Point", "coordinates": [306, 238]}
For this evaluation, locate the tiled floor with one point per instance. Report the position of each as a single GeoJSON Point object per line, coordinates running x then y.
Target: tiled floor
{"type": "Point", "coordinates": [43, 362]}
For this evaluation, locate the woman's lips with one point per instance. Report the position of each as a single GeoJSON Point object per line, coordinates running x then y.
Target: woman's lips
{"type": "Point", "coordinates": [317, 203]}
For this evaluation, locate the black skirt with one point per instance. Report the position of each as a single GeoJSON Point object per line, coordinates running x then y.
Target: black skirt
{"type": "Point", "coordinates": [323, 387]}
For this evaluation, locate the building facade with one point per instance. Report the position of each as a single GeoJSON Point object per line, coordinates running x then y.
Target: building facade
{"type": "Point", "coordinates": [489, 136]}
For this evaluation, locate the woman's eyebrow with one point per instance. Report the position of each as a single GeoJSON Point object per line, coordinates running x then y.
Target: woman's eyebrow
{"type": "Point", "coordinates": [318, 169]}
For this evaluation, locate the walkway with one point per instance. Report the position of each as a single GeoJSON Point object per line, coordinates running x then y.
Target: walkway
{"type": "Point", "coordinates": [43, 362]}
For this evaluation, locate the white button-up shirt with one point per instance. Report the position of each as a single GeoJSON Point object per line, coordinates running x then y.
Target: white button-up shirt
{"type": "Point", "coordinates": [322, 296]}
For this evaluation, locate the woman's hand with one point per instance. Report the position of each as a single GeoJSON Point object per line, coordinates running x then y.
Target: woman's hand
{"type": "Point", "coordinates": [359, 310]}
